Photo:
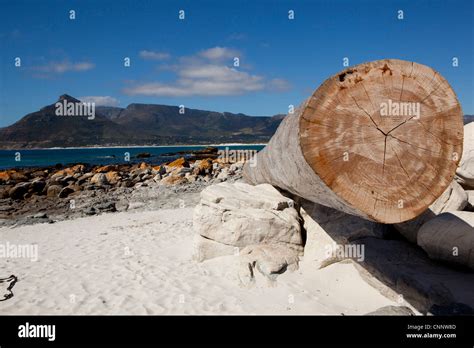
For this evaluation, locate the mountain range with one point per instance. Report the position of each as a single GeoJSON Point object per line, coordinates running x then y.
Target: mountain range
{"type": "Point", "coordinates": [138, 125]}
{"type": "Point", "coordinates": [135, 125]}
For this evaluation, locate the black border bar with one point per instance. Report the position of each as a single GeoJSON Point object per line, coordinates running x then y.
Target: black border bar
{"type": "Point", "coordinates": [226, 330]}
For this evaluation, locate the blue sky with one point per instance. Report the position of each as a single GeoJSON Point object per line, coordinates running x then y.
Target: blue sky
{"type": "Point", "coordinates": [190, 61]}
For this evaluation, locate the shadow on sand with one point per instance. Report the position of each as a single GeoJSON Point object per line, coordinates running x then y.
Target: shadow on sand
{"type": "Point", "coordinates": [429, 286]}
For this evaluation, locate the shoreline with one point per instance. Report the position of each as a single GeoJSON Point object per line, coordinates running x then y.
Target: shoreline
{"type": "Point", "coordinates": [39, 194]}
{"type": "Point", "coordinates": [132, 146]}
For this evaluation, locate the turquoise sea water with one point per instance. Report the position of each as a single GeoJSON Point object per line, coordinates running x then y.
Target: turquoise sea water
{"type": "Point", "coordinates": [115, 155]}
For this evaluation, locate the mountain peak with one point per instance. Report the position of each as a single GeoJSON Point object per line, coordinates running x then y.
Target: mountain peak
{"type": "Point", "coordinates": [68, 98]}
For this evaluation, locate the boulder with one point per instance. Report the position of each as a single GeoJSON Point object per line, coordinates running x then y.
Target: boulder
{"type": "Point", "coordinates": [4, 176]}
{"type": "Point", "coordinates": [19, 190]}
{"type": "Point", "coordinates": [38, 185]}
{"type": "Point", "coordinates": [184, 170]}
{"type": "Point", "coordinates": [5, 191]}
{"type": "Point", "coordinates": [270, 260]}
{"type": "Point", "coordinates": [53, 190]}
{"type": "Point", "coordinates": [12, 176]}
{"type": "Point", "coordinates": [465, 171]}
{"type": "Point", "coordinates": [241, 215]}
{"type": "Point", "coordinates": [224, 174]}
{"type": "Point", "coordinates": [39, 174]}
{"type": "Point", "coordinates": [67, 179]}
{"type": "Point", "coordinates": [159, 170]}
{"type": "Point", "coordinates": [66, 191]}
{"type": "Point", "coordinates": [237, 166]}
{"type": "Point", "coordinates": [105, 169]}
{"type": "Point", "coordinates": [257, 223]}
{"type": "Point", "coordinates": [202, 167]}
{"type": "Point", "coordinates": [454, 198]}
{"type": "Point", "coordinates": [78, 168]}
{"type": "Point", "coordinates": [172, 180]}
{"type": "Point", "coordinates": [112, 177]}
{"type": "Point", "coordinates": [99, 179]}
{"type": "Point", "coordinates": [144, 165]}
{"type": "Point", "coordinates": [83, 178]}
{"type": "Point", "coordinates": [206, 249]}
{"type": "Point", "coordinates": [449, 237]}
{"type": "Point", "coordinates": [180, 162]}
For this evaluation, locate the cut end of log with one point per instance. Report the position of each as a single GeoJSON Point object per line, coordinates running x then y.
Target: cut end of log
{"type": "Point", "coordinates": [386, 137]}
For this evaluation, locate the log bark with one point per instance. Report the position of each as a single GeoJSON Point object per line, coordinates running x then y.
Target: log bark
{"type": "Point", "coordinates": [347, 146]}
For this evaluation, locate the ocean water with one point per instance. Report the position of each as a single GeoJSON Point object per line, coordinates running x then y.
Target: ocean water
{"type": "Point", "coordinates": [95, 156]}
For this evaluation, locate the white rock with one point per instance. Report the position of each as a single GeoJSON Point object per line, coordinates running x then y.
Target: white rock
{"type": "Point", "coordinates": [270, 260]}
{"type": "Point", "coordinates": [243, 215]}
{"type": "Point", "coordinates": [454, 198]}
{"type": "Point", "coordinates": [465, 171]}
{"type": "Point", "coordinates": [206, 249]}
{"type": "Point", "coordinates": [224, 174]}
{"type": "Point", "coordinates": [234, 167]}
{"type": "Point", "coordinates": [240, 215]}
{"type": "Point", "coordinates": [449, 237]}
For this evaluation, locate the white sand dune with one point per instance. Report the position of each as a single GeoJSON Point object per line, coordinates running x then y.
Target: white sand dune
{"type": "Point", "coordinates": [141, 263]}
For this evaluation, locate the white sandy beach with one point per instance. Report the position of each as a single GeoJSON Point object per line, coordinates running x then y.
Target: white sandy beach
{"type": "Point", "coordinates": [142, 263]}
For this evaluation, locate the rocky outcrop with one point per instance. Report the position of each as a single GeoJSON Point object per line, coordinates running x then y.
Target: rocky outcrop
{"type": "Point", "coordinates": [241, 215]}
{"type": "Point", "coordinates": [454, 198]}
{"type": "Point", "coordinates": [59, 190]}
{"type": "Point", "coordinates": [449, 237]}
{"type": "Point", "coordinates": [465, 171]}
{"type": "Point", "coordinates": [257, 222]}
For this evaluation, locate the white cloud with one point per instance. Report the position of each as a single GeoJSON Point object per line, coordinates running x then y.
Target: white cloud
{"type": "Point", "coordinates": [207, 80]}
{"type": "Point", "coordinates": [205, 74]}
{"type": "Point", "coordinates": [218, 53]}
{"type": "Point", "coordinates": [151, 55]}
{"type": "Point", "coordinates": [100, 100]}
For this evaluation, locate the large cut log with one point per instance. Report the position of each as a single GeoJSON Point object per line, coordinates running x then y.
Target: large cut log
{"type": "Point", "coordinates": [381, 140]}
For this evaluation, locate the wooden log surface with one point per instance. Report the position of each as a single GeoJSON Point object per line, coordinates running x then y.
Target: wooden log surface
{"type": "Point", "coordinates": [381, 140]}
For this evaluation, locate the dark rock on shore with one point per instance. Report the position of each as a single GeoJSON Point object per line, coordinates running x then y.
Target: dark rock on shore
{"type": "Point", "coordinates": [67, 192]}
{"type": "Point", "coordinates": [143, 155]}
